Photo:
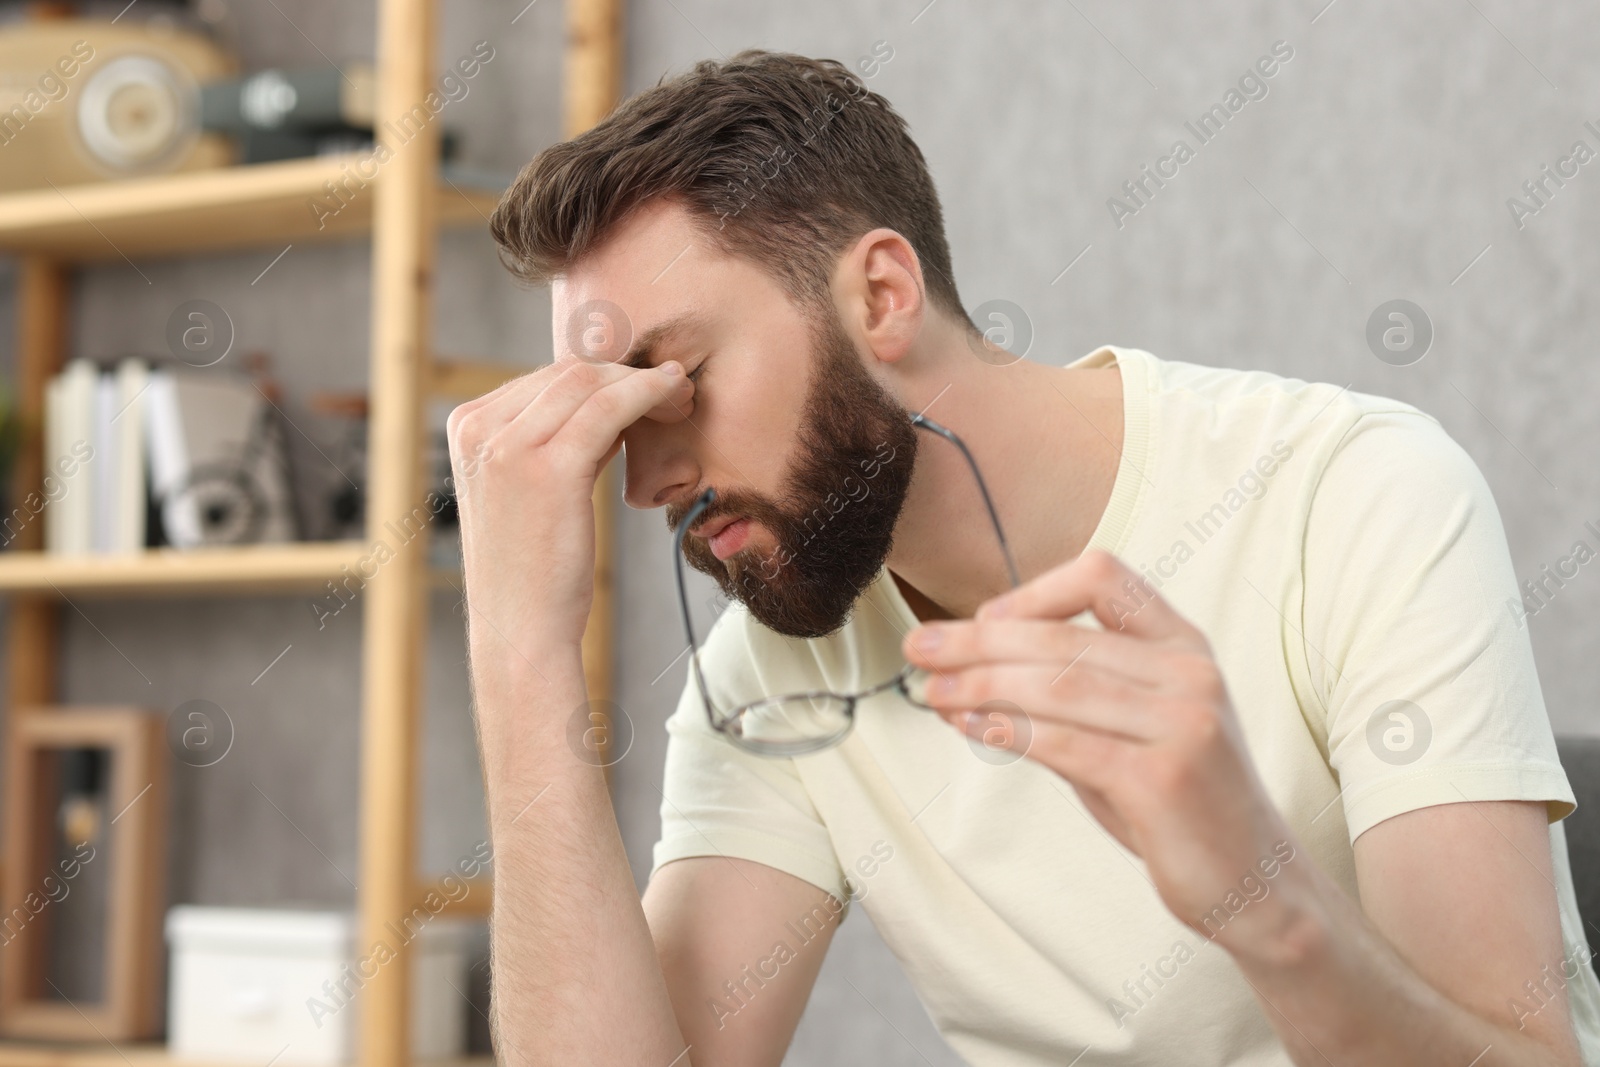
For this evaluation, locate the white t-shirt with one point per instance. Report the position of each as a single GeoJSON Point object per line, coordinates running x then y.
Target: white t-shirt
{"type": "Point", "coordinates": [1346, 561]}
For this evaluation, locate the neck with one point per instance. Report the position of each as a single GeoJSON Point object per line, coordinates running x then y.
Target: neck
{"type": "Point", "coordinates": [1047, 441]}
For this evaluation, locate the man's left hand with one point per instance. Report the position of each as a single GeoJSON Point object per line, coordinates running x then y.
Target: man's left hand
{"type": "Point", "coordinates": [1137, 718]}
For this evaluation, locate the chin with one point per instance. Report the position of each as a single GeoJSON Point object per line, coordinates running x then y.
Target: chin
{"type": "Point", "coordinates": [790, 605]}
{"type": "Point", "coordinates": [748, 569]}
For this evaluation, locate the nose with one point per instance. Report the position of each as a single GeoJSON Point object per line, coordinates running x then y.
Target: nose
{"type": "Point", "coordinates": [657, 465]}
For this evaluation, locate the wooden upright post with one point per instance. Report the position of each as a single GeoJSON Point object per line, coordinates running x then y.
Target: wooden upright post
{"type": "Point", "coordinates": [593, 63]}
{"type": "Point", "coordinates": [395, 613]}
{"type": "Point", "coordinates": [593, 87]}
{"type": "Point", "coordinates": [42, 292]}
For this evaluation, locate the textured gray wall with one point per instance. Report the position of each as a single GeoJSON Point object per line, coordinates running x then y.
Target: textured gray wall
{"type": "Point", "coordinates": [1377, 167]}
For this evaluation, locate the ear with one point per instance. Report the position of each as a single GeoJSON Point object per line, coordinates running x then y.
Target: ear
{"type": "Point", "coordinates": [881, 296]}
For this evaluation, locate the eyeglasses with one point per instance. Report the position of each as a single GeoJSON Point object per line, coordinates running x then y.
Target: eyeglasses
{"type": "Point", "coordinates": [795, 724]}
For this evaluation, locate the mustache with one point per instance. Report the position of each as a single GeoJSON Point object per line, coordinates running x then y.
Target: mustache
{"type": "Point", "coordinates": [733, 502]}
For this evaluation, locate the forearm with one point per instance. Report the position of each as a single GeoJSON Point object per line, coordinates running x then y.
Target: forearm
{"type": "Point", "coordinates": [1336, 991]}
{"type": "Point", "coordinates": [575, 973]}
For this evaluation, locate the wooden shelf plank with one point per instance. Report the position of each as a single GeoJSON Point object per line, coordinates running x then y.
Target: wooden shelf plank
{"type": "Point", "coordinates": [301, 566]}
{"type": "Point", "coordinates": [264, 204]}
{"type": "Point", "coordinates": [304, 565]}
{"type": "Point", "coordinates": [14, 1054]}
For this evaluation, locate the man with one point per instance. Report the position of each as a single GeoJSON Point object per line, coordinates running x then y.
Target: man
{"type": "Point", "coordinates": [1252, 768]}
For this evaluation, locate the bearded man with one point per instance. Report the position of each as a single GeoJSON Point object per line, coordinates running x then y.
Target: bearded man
{"type": "Point", "coordinates": [1156, 713]}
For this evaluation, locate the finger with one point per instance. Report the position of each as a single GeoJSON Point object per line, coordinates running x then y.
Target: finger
{"type": "Point", "coordinates": [500, 405]}
{"type": "Point", "coordinates": [962, 643]}
{"type": "Point", "coordinates": [545, 414]}
{"type": "Point", "coordinates": [677, 395]}
{"type": "Point", "coordinates": [1087, 758]}
{"type": "Point", "coordinates": [472, 424]}
{"type": "Point", "coordinates": [1089, 699]}
{"type": "Point", "coordinates": [677, 403]}
{"type": "Point", "coordinates": [593, 428]}
{"type": "Point", "coordinates": [1096, 581]}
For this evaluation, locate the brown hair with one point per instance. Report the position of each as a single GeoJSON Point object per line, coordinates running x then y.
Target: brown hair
{"type": "Point", "coordinates": [781, 159]}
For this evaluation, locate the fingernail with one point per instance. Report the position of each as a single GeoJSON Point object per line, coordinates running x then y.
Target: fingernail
{"type": "Point", "coordinates": [671, 366]}
{"type": "Point", "coordinates": [943, 685]}
{"type": "Point", "coordinates": [997, 608]}
{"type": "Point", "coordinates": [928, 638]}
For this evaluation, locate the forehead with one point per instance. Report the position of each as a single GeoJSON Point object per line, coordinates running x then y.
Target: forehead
{"type": "Point", "coordinates": [655, 274]}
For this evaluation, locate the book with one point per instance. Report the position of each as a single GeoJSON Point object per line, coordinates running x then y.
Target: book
{"type": "Point", "coordinates": [169, 461]}
{"type": "Point", "coordinates": [130, 487]}
{"type": "Point", "coordinates": [103, 471]}
{"type": "Point", "coordinates": [70, 458]}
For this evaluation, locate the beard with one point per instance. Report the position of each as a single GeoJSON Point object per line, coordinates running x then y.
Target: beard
{"type": "Point", "coordinates": [834, 524]}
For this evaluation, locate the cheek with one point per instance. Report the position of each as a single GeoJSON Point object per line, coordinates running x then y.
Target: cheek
{"type": "Point", "coordinates": [753, 420]}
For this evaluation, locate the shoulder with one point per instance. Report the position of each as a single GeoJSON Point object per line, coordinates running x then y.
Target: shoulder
{"type": "Point", "coordinates": [1332, 429]}
{"type": "Point", "coordinates": [1231, 390]}
{"type": "Point", "coordinates": [1402, 460]}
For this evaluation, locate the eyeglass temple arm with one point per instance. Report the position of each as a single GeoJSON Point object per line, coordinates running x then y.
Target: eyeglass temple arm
{"type": "Point", "coordinates": [922, 422]}
{"type": "Point", "coordinates": [684, 527]}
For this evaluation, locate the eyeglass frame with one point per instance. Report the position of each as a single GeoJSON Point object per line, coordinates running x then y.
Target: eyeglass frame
{"type": "Point", "coordinates": [723, 724]}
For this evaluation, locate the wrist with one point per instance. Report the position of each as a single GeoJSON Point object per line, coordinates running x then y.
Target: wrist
{"type": "Point", "coordinates": [527, 670]}
{"type": "Point", "coordinates": [1291, 929]}
{"type": "Point", "coordinates": [522, 706]}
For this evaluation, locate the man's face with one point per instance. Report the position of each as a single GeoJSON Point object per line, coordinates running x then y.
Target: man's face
{"type": "Point", "coordinates": [809, 455]}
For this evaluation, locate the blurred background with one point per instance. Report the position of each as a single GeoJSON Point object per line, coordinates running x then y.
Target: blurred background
{"type": "Point", "coordinates": [1383, 161]}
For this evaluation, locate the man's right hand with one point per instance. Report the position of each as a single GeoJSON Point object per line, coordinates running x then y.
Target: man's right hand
{"type": "Point", "coordinates": [524, 460]}
{"type": "Point", "coordinates": [580, 975]}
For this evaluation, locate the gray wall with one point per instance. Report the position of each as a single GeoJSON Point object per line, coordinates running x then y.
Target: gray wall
{"type": "Point", "coordinates": [1377, 167]}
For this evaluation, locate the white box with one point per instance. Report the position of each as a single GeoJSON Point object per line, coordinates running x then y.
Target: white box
{"type": "Point", "coordinates": [256, 985]}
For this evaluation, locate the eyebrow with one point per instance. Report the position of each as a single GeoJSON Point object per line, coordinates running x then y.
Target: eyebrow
{"type": "Point", "coordinates": [649, 343]}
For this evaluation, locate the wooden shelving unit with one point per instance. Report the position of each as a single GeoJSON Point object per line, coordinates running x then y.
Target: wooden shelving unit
{"type": "Point", "coordinates": [205, 211]}
{"type": "Point", "coordinates": [53, 231]}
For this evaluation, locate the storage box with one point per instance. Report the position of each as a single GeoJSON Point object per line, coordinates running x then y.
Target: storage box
{"type": "Point", "coordinates": [284, 985]}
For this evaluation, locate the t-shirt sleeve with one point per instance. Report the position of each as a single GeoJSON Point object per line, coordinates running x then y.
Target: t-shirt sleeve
{"type": "Point", "coordinates": [719, 800]}
{"type": "Point", "coordinates": [1415, 638]}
